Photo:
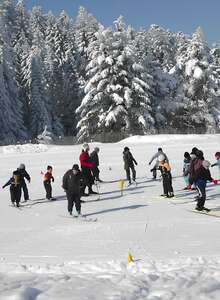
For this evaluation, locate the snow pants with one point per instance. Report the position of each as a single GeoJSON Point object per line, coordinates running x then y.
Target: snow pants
{"type": "Point", "coordinates": [48, 188]}
{"type": "Point", "coordinates": [15, 193]}
{"type": "Point", "coordinates": [167, 184]}
{"type": "Point", "coordinates": [25, 190]}
{"type": "Point", "coordinates": [73, 198]}
{"type": "Point", "coordinates": [95, 173]}
{"type": "Point", "coordinates": [201, 188]}
{"type": "Point", "coordinates": [128, 173]}
{"type": "Point", "coordinates": [154, 170]}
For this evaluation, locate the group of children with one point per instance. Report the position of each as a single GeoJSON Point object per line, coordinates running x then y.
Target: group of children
{"type": "Point", "coordinates": [17, 184]}
{"type": "Point", "coordinates": [195, 173]}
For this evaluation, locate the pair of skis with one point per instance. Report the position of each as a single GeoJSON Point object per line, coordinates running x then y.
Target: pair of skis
{"type": "Point", "coordinates": [80, 218]}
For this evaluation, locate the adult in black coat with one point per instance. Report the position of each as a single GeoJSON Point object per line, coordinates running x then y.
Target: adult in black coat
{"type": "Point", "coordinates": [24, 175]}
{"type": "Point", "coordinates": [129, 164]}
{"type": "Point", "coordinates": [95, 160]}
{"type": "Point", "coordinates": [72, 180]}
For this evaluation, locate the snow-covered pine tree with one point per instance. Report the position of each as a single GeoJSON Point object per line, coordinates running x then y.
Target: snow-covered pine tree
{"type": "Point", "coordinates": [190, 114]}
{"type": "Point", "coordinates": [12, 127]}
{"type": "Point", "coordinates": [162, 45]}
{"type": "Point", "coordinates": [116, 102]}
{"type": "Point", "coordinates": [85, 28]}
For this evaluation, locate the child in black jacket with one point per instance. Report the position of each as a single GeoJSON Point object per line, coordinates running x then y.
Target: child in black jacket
{"type": "Point", "coordinates": [15, 183]}
{"type": "Point", "coordinates": [71, 184]}
{"type": "Point", "coordinates": [202, 175]}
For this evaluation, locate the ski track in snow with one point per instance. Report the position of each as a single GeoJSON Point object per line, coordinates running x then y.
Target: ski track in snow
{"type": "Point", "coordinates": [176, 252]}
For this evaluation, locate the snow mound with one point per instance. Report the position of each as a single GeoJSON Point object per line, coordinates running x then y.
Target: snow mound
{"type": "Point", "coordinates": [26, 148]}
{"type": "Point", "coordinates": [115, 280]}
{"type": "Point", "coordinates": [166, 138]}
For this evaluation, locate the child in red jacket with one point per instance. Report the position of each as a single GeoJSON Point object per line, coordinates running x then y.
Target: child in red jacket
{"type": "Point", "coordinates": [48, 177]}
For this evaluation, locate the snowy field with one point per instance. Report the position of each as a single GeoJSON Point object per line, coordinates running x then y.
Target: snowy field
{"type": "Point", "coordinates": [46, 255]}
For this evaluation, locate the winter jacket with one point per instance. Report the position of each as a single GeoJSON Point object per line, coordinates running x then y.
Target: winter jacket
{"type": "Point", "coordinates": [186, 164]}
{"type": "Point", "coordinates": [156, 155]}
{"type": "Point", "coordinates": [203, 174]}
{"type": "Point", "coordinates": [165, 169]}
{"type": "Point", "coordinates": [48, 177]}
{"type": "Point", "coordinates": [216, 164]}
{"type": "Point", "coordinates": [72, 182]}
{"type": "Point", "coordinates": [128, 160]}
{"type": "Point", "coordinates": [24, 174]}
{"type": "Point", "coordinates": [94, 158]}
{"type": "Point", "coordinates": [15, 180]}
{"type": "Point", "coordinates": [195, 165]}
{"type": "Point", "coordinates": [85, 160]}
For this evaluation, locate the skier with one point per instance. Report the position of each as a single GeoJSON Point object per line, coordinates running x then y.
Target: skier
{"type": "Point", "coordinates": [129, 164]}
{"type": "Point", "coordinates": [201, 176]}
{"type": "Point", "coordinates": [24, 175]}
{"type": "Point", "coordinates": [155, 156]}
{"type": "Point", "coordinates": [95, 160]}
{"type": "Point", "coordinates": [71, 184]}
{"type": "Point", "coordinates": [15, 183]}
{"type": "Point", "coordinates": [217, 163]}
{"type": "Point", "coordinates": [48, 177]}
{"type": "Point", "coordinates": [165, 169]}
{"type": "Point", "coordinates": [195, 163]}
{"type": "Point", "coordinates": [186, 163]}
{"type": "Point", "coordinates": [86, 166]}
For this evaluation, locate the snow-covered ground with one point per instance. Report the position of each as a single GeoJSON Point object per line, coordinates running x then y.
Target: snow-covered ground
{"type": "Point", "coordinates": [46, 255]}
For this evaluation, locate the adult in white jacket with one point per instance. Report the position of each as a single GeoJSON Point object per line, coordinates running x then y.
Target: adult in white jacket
{"type": "Point", "coordinates": [155, 156]}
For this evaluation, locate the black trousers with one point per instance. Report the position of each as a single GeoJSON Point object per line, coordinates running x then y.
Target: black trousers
{"type": "Point", "coordinates": [73, 198]}
{"type": "Point", "coordinates": [167, 184]}
{"type": "Point", "coordinates": [95, 173]}
{"type": "Point", "coordinates": [202, 195]}
{"type": "Point", "coordinates": [15, 193]}
{"type": "Point", "coordinates": [128, 173]}
{"type": "Point", "coordinates": [48, 188]}
{"type": "Point", "coordinates": [25, 190]}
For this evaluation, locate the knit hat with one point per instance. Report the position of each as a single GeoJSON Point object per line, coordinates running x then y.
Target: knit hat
{"type": "Point", "coordinates": [21, 167]}
{"type": "Point", "coordinates": [160, 149]}
{"type": "Point", "coordinates": [206, 164]}
{"type": "Point", "coordinates": [96, 149]}
{"type": "Point", "coordinates": [194, 150]}
{"type": "Point", "coordinates": [75, 167]}
{"type": "Point", "coordinates": [85, 146]}
{"type": "Point", "coordinates": [161, 157]}
{"type": "Point", "coordinates": [187, 155]}
{"type": "Point", "coordinates": [217, 154]}
{"type": "Point", "coordinates": [126, 149]}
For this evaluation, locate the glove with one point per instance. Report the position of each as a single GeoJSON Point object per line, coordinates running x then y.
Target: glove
{"type": "Point", "coordinates": [189, 186]}
{"type": "Point", "coordinates": [136, 163]}
{"type": "Point", "coordinates": [149, 163]}
{"type": "Point", "coordinates": [212, 165]}
{"type": "Point", "coordinates": [215, 181]}
{"type": "Point", "coordinates": [29, 180]}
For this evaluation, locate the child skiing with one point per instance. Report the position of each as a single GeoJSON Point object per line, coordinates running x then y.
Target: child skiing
{"type": "Point", "coordinates": [202, 175]}
{"type": "Point", "coordinates": [48, 177]}
{"type": "Point", "coordinates": [15, 188]}
{"type": "Point", "coordinates": [217, 163]}
{"type": "Point", "coordinates": [186, 163]}
{"type": "Point", "coordinates": [165, 169]}
{"type": "Point", "coordinates": [129, 164]}
{"type": "Point", "coordinates": [71, 184]}
{"type": "Point", "coordinates": [24, 175]}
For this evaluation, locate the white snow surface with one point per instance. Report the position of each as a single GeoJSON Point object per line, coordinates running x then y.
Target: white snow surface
{"type": "Point", "coordinates": [44, 254]}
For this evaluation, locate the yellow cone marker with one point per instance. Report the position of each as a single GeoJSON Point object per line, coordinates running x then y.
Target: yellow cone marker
{"type": "Point", "coordinates": [130, 258]}
{"type": "Point", "coordinates": [121, 184]}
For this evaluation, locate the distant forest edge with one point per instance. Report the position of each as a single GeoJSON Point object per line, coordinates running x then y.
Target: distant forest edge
{"type": "Point", "coordinates": [62, 77]}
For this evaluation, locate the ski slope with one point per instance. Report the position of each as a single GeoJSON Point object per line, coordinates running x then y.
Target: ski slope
{"type": "Point", "coordinates": [46, 255]}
